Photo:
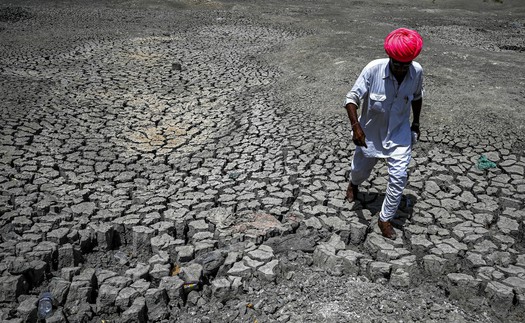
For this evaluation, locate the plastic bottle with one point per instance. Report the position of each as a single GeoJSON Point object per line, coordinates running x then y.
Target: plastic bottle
{"type": "Point", "coordinates": [45, 306]}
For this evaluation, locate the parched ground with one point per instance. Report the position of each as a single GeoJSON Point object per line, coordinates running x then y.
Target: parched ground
{"type": "Point", "coordinates": [187, 161]}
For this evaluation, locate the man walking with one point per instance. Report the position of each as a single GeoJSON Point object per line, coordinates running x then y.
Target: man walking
{"type": "Point", "coordinates": [386, 90]}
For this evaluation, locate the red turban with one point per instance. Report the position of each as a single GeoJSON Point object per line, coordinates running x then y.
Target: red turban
{"type": "Point", "coordinates": [403, 44]}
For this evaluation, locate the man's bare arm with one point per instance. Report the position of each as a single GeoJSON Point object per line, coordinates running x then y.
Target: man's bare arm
{"type": "Point", "coordinates": [416, 112]}
{"type": "Point", "coordinates": [359, 135]}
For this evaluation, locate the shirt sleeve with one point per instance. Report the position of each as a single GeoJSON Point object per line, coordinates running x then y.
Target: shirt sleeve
{"type": "Point", "coordinates": [359, 90]}
{"type": "Point", "coordinates": [420, 90]}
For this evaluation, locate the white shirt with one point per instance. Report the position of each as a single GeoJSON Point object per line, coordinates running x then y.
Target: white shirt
{"type": "Point", "coordinates": [385, 107]}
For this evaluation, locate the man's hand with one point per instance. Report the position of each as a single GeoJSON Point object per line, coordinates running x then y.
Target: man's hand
{"type": "Point", "coordinates": [416, 111]}
{"type": "Point", "coordinates": [359, 136]}
{"type": "Point", "coordinates": [415, 128]}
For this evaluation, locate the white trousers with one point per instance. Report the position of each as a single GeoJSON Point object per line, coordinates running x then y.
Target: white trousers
{"type": "Point", "coordinates": [397, 178]}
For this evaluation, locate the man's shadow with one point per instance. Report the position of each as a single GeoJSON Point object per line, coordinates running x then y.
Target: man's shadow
{"type": "Point", "coordinates": [373, 202]}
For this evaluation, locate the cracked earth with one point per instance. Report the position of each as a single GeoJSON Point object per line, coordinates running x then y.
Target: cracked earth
{"type": "Point", "coordinates": [187, 161]}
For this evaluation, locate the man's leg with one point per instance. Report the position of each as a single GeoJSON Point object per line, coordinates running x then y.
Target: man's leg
{"type": "Point", "coordinates": [397, 171]}
{"type": "Point", "coordinates": [359, 171]}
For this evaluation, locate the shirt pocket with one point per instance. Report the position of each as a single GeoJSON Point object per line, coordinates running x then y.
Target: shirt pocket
{"type": "Point", "coordinates": [377, 102]}
{"type": "Point", "coordinates": [402, 107]}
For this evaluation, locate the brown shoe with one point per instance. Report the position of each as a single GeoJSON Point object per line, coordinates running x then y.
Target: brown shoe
{"type": "Point", "coordinates": [387, 230]}
{"type": "Point", "coordinates": [351, 192]}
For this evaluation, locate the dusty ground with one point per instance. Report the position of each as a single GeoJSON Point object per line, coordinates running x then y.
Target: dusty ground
{"type": "Point", "coordinates": [154, 116]}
